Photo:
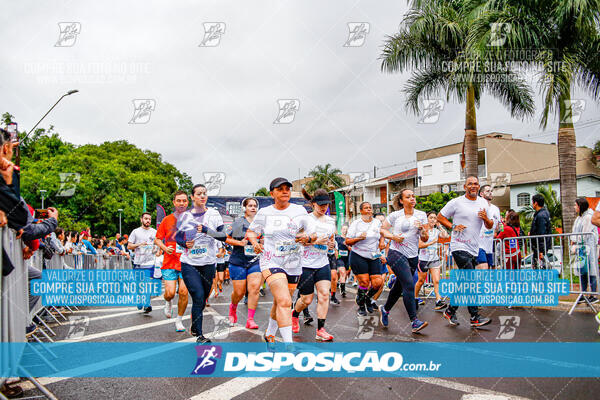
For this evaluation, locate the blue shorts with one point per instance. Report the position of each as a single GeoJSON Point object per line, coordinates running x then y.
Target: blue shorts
{"type": "Point", "coordinates": [484, 257]}
{"type": "Point", "coordinates": [171, 275]}
{"type": "Point", "coordinates": [237, 273]}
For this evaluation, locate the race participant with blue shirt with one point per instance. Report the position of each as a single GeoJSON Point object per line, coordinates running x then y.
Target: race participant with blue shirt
{"type": "Point", "coordinates": [244, 268]}
{"type": "Point", "coordinates": [198, 231]}
{"type": "Point", "coordinates": [469, 213]}
{"type": "Point", "coordinates": [285, 228]}
{"type": "Point", "coordinates": [404, 229]}
{"type": "Point", "coordinates": [141, 241]}
{"type": "Point", "coordinates": [485, 258]}
{"type": "Point", "coordinates": [316, 269]}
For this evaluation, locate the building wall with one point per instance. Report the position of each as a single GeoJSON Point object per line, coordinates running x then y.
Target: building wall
{"type": "Point", "coordinates": [439, 175]}
{"type": "Point", "coordinates": [586, 187]}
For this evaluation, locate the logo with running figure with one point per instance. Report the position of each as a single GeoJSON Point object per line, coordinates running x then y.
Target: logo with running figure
{"type": "Point", "coordinates": [498, 33]}
{"type": "Point", "coordinates": [366, 327]}
{"type": "Point", "coordinates": [142, 110]}
{"type": "Point", "coordinates": [508, 327]}
{"type": "Point", "coordinates": [68, 34]}
{"type": "Point", "coordinates": [68, 183]}
{"type": "Point", "coordinates": [357, 177]}
{"type": "Point", "coordinates": [357, 34]}
{"type": "Point", "coordinates": [212, 34]}
{"type": "Point", "coordinates": [432, 108]}
{"type": "Point", "coordinates": [213, 182]}
{"type": "Point", "coordinates": [500, 181]}
{"type": "Point", "coordinates": [287, 110]}
{"type": "Point", "coordinates": [207, 359]}
{"type": "Point", "coordinates": [575, 109]}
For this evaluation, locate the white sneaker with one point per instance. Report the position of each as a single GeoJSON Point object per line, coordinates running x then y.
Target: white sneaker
{"type": "Point", "coordinates": [179, 326]}
{"type": "Point", "coordinates": [167, 309]}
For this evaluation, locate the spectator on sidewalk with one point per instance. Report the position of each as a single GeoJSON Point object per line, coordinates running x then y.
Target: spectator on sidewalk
{"type": "Point", "coordinates": [512, 250]}
{"type": "Point", "coordinates": [87, 246]}
{"type": "Point", "coordinates": [540, 225]}
{"type": "Point", "coordinates": [584, 247]}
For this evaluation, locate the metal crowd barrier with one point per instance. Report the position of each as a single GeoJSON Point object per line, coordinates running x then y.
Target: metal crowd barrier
{"type": "Point", "coordinates": [89, 261]}
{"type": "Point", "coordinates": [573, 255]}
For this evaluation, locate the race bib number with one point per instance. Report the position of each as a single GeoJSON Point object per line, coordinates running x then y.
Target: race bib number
{"type": "Point", "coordinates": [147, 248]}
{"type": "Point", "coordinates": [488, 233]}
{"type": "Point", "coordinates": [178, 249]}
{"type": "Point", "coordinates": [331, 252]}
{"type": "Point", "coordinates": [286, 248]}
{"type": "Point", "coordinates": [249, 250]}
{"type": "Point", "coordinates": [343, 253]}
{"type": "Point", "coordinates": [199, 251]}
{"type": "Point", "coordinates": [321, 248]}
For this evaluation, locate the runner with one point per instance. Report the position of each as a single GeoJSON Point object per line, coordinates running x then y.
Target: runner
{"type": "Point", "coordinates": [141, 241]}
{"type": "Point", "coordinates": [343, 252]}
{"type": "Point", "coordinates": [198, 230]}
{"type": "Point", "coordinates": [316, 270]}
{"type": "Point", "coordinates": [244, 267]}
{"type": "Point", "coordinates": [384, 265]}
{"type": "Point", "coordinates": [171, 268]}
{"type": "Point", "coordinates": [365, 238]}
{"type": "Point", "coordinates": [429, 259]}
{"type": "Point", "coordinates": [468, 213]}
{"type": "Point", "coordinates": [404, 228]}
{"type": "Point", "coordinates": [217, 286]}
{"type": "Point", "coordinates": [285, 227]}
{"type": "Point", "coordinates": [485, 258]}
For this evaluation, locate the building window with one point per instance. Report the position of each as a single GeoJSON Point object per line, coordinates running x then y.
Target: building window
{"type": "Point", "coordinates": [523, 199]}
{"type": "Point", "coordinates": [448, 166]}
{"type": "Point", "coordinates": [427, 170]}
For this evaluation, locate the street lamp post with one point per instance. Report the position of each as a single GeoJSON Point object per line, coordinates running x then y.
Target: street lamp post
{"type": "Point", "coordinates": [120, 210]}
{"type": "Point", "coordinates": [18, 155]}
{"type": "Point", "coordinates": [43, 193]}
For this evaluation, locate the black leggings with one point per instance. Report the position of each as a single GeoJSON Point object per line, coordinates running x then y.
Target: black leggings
{"type": "Point", "coordinates": [464, 260]}
{"type": "Point", "coordinates": [198, 280]}
{"type": "Point", "coordinates": [404, 269]}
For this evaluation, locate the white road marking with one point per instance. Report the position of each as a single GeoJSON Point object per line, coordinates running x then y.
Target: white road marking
{"type": "Point", "coordinates": [230, 389]}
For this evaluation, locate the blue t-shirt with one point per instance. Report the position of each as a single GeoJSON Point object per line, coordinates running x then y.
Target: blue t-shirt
{"type": "Point", "coordinates": [238, 256]}
{"type": "Point", "coordinates": [88, 246]}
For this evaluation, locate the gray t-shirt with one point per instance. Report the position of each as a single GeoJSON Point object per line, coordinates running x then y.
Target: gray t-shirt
{"type": "Point", "coordinates": [144, 255]}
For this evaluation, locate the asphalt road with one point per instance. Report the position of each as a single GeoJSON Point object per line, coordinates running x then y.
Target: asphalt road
{"type": "Point", "coordinates": [127, 324]}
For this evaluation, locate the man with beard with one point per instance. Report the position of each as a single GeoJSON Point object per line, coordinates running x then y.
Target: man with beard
{"type": "Point", "coordinates": [141, 241]}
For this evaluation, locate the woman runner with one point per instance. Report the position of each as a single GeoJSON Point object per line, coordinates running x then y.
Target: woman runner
{"type": "Point", "coordinates": [429, 258]}
{"type": "Point", "coordinates": [404, 228]}
{"type": "Point", "coordinates": [244, 268]}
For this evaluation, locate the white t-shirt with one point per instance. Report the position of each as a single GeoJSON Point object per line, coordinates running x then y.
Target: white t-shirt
{"type": "Point", "coordinates": [486, 236]}
{"type": "Point", "coordinates": [431, 252]}
{"type": "Point", "coordinates": [204, 251]}
{"type": "Point", "coordinates": [315, 256]}
{"type": "Point", "coordinates": [405, 226]}
{"type": "Point", "coordinates": [464, 212]}
{"type": "Point", "coordinates": [279, 229]}
{"type": "Point", "coordinates": [143, 255]}
{"type": "Point", "coordinates": [598, 207]}
{"type": "Point", "coordinates": [368, 247]}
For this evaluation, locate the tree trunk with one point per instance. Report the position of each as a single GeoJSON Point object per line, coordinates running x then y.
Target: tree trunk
{"type": "Point", "coordinates": [470, 143]}
{"type": "Point", "coordinates": [567, 163]}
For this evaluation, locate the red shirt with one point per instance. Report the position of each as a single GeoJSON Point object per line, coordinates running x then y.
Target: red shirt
{"type": "Point", "coordinates": [166, 232]}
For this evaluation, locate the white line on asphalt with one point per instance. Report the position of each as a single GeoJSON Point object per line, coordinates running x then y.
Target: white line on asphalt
{"type": "Point", "coordinates": [230, 389]}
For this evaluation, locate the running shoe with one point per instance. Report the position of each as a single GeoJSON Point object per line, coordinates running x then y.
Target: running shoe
{"type": "Point", "coordinates": [193, 331]}
{"type": "Point", "coordinates": [270, 340]}
{"type": "Point", "coordinates": [179, 326]}
{"type": "Point", "coordinates": [417, 325]}
{"type": "Point", "coordinates": [420, 302]}
{"type": "Point", "coordinates": [371, 307]}
{"type": "Point", "coordinates": [439, 305]}
{"type": "Point", "coordinates": [593, 300]}
{"type": "Point", "coordinates": [383, 316]}
{"type": "Point", "coordinates": [581, 300]}
{"type": "Point", "coordinates": [308, 319]}
{"type": "Point", "coordinates": [323, 336]}
{"type": "Point", "coordinates": [261, 292]}
{"type": "Point", "coordinates": [343, 293]}
{"type": "Point", "coordinates": [362, 311]}
{"type": "Point", "coordinates": [334, 301]}
{"type": "Point", "coordinates": [451, 318]}
{"type": "Point", "coordinates": [478, 321]}
{"type": "Point", "coordinates": [391, 281]}
{"type": "Point", "coordinates": [147, 310]}
{"type": "Point", "coordinates": [167, 309]}
{"type": "Point", "coordinates": [232, 314]}
{"type": "Point", "coordinates": [203, 340]}
{"type": "Point", "coordinates": [250, 324]}
{"type": "Point", "coordinates": [295, 325]}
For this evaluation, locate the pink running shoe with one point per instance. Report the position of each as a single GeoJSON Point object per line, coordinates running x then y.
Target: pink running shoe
{"type": "Point", "coordinates": [250, 324]}
{"type": "Point", "coordinates": [232, 314]}
{"type": "Point", "coordinates": [323, 336]}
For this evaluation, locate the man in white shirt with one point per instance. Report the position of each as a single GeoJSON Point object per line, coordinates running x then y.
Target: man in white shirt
{"type": "Point", "coordinates": [141, 241]}
{"type": "Point", "coordinates": [469, 213]}
{"type": "Point", "coordinates": [485, 258]}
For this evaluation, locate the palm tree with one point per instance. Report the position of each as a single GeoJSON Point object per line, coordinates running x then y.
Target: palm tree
{"type": "Point", "coordinates": [566, 35]}
{"type": "Point", "coordinates": [551, 202]}
{"type": "Point", "coordinates": [435, 35]}
{"type": "Point", "coordinates": [325, 177]}
{"type": "Point", "coordinates": [262, 192]}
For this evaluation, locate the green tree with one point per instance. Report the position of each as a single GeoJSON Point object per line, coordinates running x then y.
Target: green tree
{"type": "Point", "coordinates": [324, 177]}
{"type": "Point", "coordinates": [434, 201]}
{"type": "Point", "coordinates": [262, 192]}
{"type": "Point", "coordinates": [552, 203]}
{"type": "Point", "coordinates": [566, 34]}
{"type": "Point", "coordinates": [435, 35]}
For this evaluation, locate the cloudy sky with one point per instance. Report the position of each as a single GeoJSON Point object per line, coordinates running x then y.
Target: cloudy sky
{"type": "Point", "coordinates": [215, 104]}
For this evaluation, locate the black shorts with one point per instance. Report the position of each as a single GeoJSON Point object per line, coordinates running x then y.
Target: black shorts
{"type": "Point", "coordinates": [342, 262]}
{"type": "Point", "coordinates": [222, 267]}
{"type": "Point", "coordinates": [310, 276]}
{"type": "Point", "coordinates": [292, 279]}
{"type": "Point", "coordinates": [362, 265]}
{"type": "Point", "coordinates": [333, 263]}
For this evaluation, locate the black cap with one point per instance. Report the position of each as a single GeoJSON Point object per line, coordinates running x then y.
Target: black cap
{"type": "Point", "coordinates": [275, 183]}
{"type": "Point", "coordinates": [321, 200]}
